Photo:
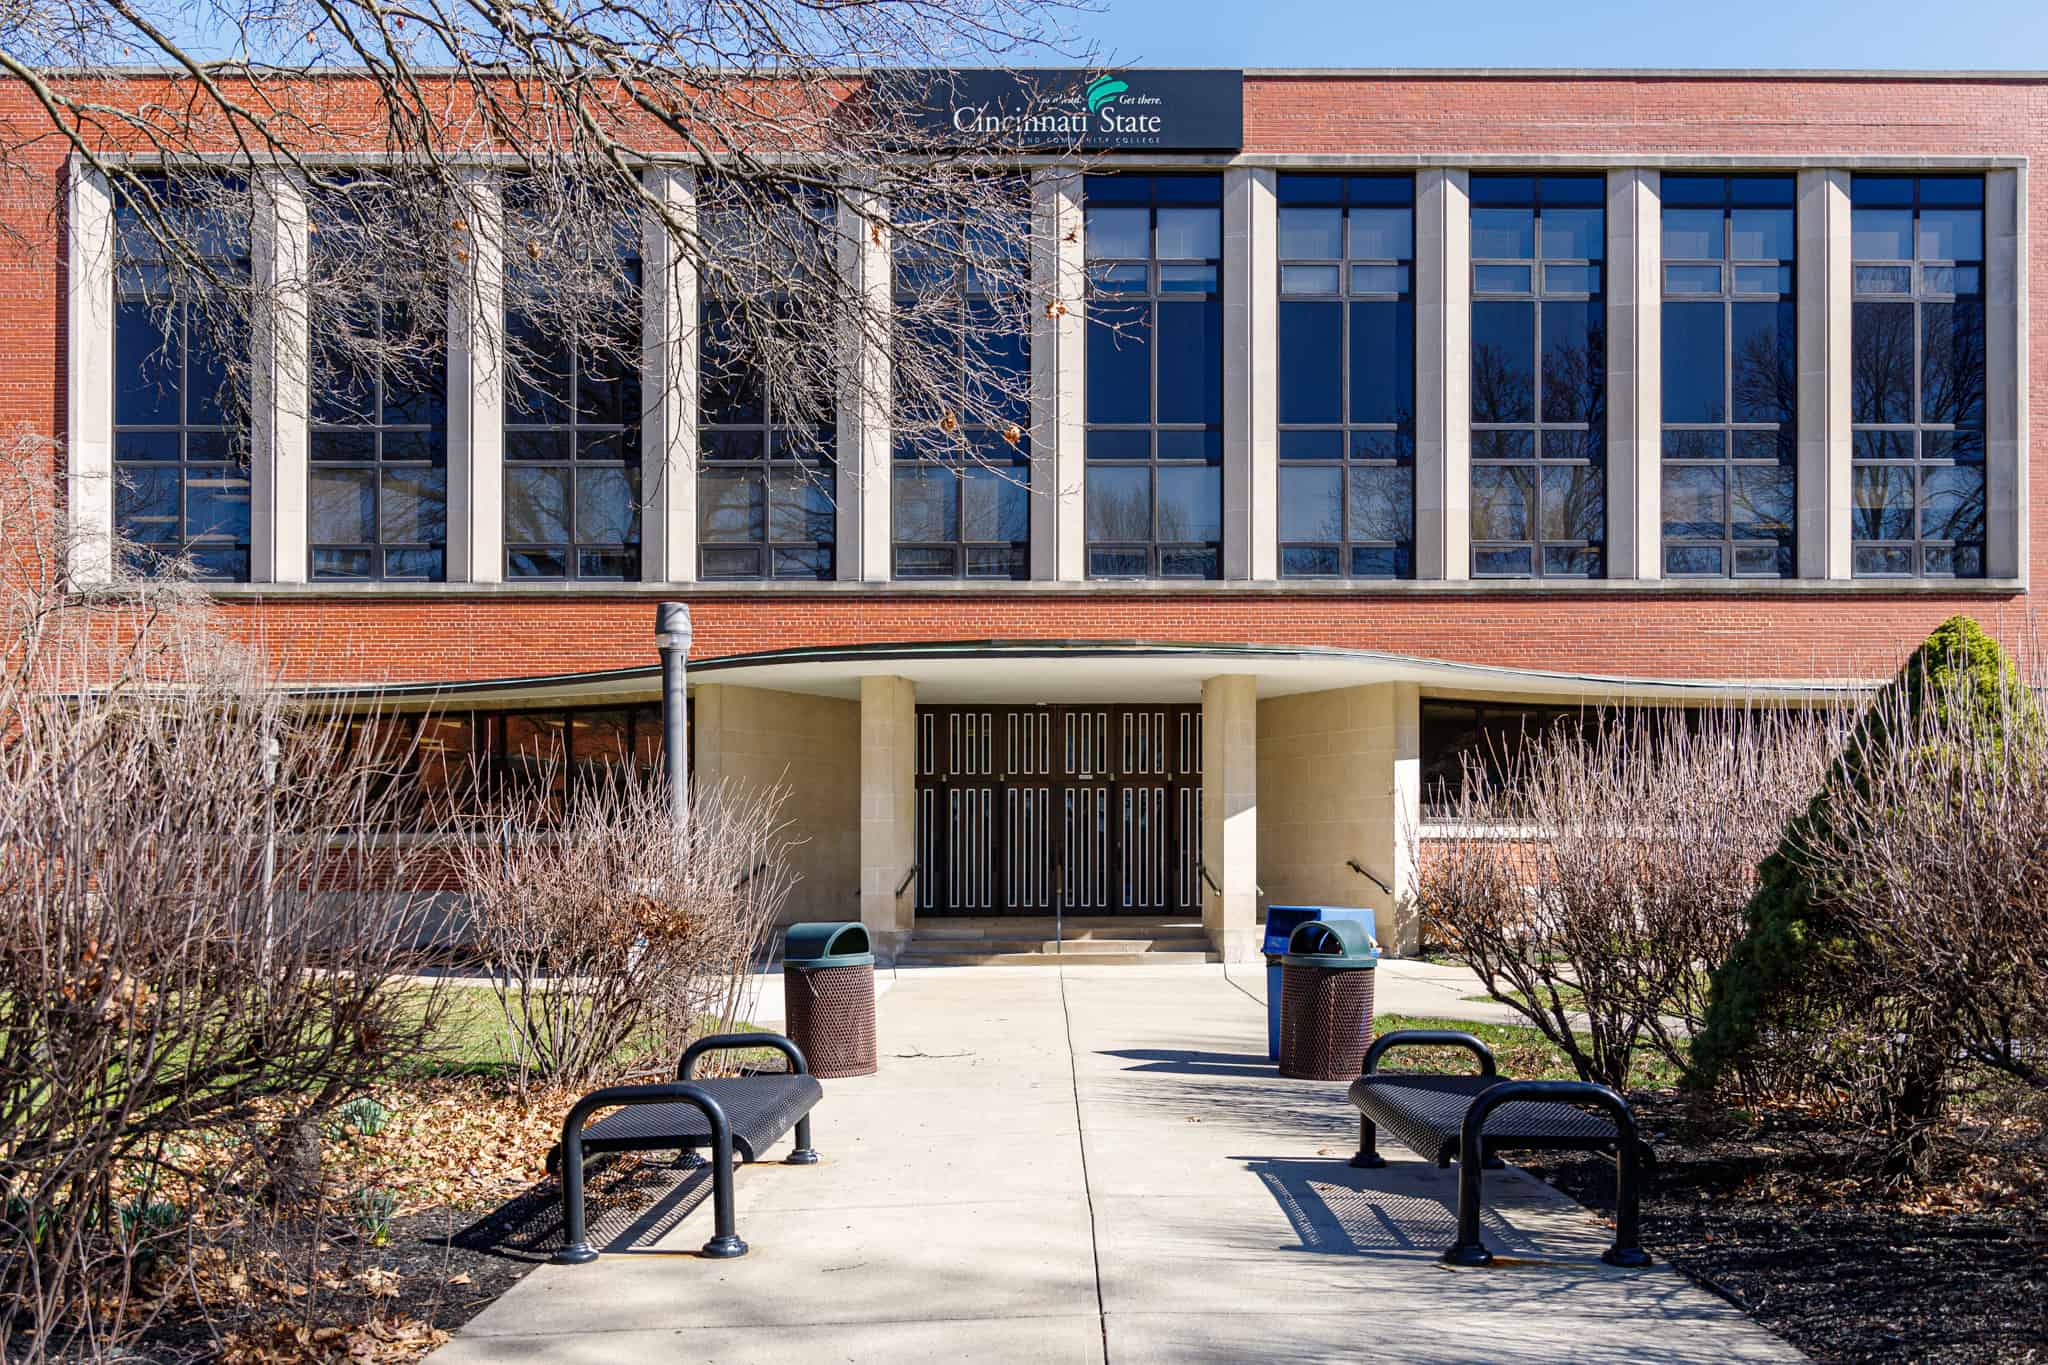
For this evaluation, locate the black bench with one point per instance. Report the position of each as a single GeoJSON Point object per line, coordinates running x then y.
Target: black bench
{"type": "Point", "coordinates": [1473, 1117]}
{"type": "Point", "coordinates": [747, 1114]}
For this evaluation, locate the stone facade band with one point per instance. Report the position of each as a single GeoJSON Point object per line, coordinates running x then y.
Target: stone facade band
{"type": "Point", "coordinates": [668, 382]}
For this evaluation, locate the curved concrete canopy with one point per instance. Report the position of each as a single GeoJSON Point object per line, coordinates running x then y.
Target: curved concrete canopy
{"type": "Point", "coordinates": [1014, 671]}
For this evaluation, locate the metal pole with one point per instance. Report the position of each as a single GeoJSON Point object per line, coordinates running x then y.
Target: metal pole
{"type": "Point", "coordinates": [271, 753]}
{"type": "Point", "coordinates": [672, 636]}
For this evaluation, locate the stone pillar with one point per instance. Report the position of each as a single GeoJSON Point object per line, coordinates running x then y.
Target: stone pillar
{"type": "Point", "coordinates": [888, 804]}
{"type": "Point", "coordinates": [1341, 775]}
{"type": "Point", "coordinates": [89, 375]}
{"type": "Point", "coordinates": [1443, 375]}
{"type": "Point", "coordinates": [1251, 375]}
{"type": "Point", "coordinates": [2005, 388]}
{"type": "Point", "coordinates": [1402, 931]}
{"type": "Point", "coordinates": [1635, 375]}
{"type": "Point", "coordinates": [1058, 372]}
{"type": "Point", "coordinates": [280, 392]}
{"type": "Point", "coordinates": [864, 394]}
{"type": "Point", "coordinates": [668, 381]}
{"type": "Point", "coordinates": [1230, 816]}
{"type": "Point", "coordinates": [1825, 311]}
{"type": "Point", "coordinates": [476, 389]}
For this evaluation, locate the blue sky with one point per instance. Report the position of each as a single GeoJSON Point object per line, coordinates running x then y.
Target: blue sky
{"type": "Point", "coordinates": [1723, 33]}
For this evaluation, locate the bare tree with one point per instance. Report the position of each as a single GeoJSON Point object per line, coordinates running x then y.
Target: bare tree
{"type": "Point", "coordinates": [1597, 876]}
{"type": "Point", "coordinates": [203, 935]}
{"type": "Point", "coordinates": [519, 156]}
{"type": "Point", "coordinates": [611, 939]}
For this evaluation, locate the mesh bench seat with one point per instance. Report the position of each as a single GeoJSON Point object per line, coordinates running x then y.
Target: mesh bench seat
{"type": "Point", "coordinates": [758, 1110]}
{"type": "Point", "coordinates": [1471, 1118]}
{"type": "Point", "coordinates": [744, 1114]}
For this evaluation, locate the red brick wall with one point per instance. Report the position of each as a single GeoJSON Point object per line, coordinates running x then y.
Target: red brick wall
{"type": "Point", "coordinates": [1760, 633]}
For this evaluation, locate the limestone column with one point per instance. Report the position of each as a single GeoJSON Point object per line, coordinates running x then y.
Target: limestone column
{"type": "Point", "coordinates": [865, 441]}
{"type": "Point", "coordinates": [1825, 313]}
{"type": "Point", "coordinates": [1230, 816]}
{"type": "Point", "coordinates": [2005, 387]}
{"type": "Point", "coordinates": [1401, 932]}
{"type": "Point", "coordinates": [888, 803]}
{"type": "Point", "coordinates": [1058, 374]}
{"type": "Point", "coordinates": [1443, 375]}
{"type": "Point", "coordinates": [476, 390]}
{"type": "Point", "coordinates": [669, 379]}
{"type": "Point", "coordinates": [280, 395]}
{"type": "Point", "coordinates": [1635, 375]}
{"type": "Point", "coordinates": [89, 376]}
{"type": "Point", "coordinates": [1251, 375]}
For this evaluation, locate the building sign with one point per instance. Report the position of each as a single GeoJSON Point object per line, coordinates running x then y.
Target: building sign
{"type": "Point", "coordinates": [1118, 110]}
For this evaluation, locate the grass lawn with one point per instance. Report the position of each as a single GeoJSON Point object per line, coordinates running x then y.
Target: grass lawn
{"type": "Point", "coordinates": [470, 1037]}
{"type": "Point", "coordinates": [1521, 1052]}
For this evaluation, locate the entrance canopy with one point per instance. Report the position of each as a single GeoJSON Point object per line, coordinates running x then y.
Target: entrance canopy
{"type": "Point", "coordinates": [975, 671]}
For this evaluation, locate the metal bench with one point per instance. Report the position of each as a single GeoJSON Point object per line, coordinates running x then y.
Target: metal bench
{"type": "Point", "coordinates": [747, 1114]}
{"type": "Point", "coordinates": [1472, 1118]}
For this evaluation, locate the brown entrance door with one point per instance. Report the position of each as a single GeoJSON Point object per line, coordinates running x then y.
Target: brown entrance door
{"type": "Point", "coordinates": [1098, 806]}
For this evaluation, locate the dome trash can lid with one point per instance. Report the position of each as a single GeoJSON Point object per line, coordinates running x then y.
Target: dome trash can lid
{"type": "Point", "coordinates": [842, 943]}
{"type": "Point", "coordinates": [1336, 945]}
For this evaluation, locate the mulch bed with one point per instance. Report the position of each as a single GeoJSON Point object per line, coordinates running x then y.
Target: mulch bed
{"type": "Point", "coordinates": [1775, 1213]}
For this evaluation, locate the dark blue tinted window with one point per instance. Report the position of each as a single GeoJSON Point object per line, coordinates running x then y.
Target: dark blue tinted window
{"type": "Point", "coordinates": [1154, 493]}
{"type": "Point", "coordinates": [1539, 376]}
{"type": "Point", "coordinates": [1730, 376]}
{"type": "Point", "coordinates": [1347, 376]}
{"type": "Point", "coordinates": [1917, 376]}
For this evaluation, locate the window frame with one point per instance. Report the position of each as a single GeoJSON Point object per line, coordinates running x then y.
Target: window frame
{"type": "Point", "coordinates": [1349, 548]}
{"type": "Point", "coordinates": [231, 471]}
{"type": "Point", "coordinates": [1731, 462]}
{"type": "Point", "coordinates": [1534, 465]}
{"type": "Point", "coordinates": [1917, 296]}
{"type": "Point", "coordinates": [1159, 553]}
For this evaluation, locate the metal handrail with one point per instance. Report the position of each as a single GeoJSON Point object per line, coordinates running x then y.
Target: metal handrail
{"type": "Point", "coordinates": [908, 878]}
{"type": "Point", "coordinates": [1355, 866]}
{"type": "Point", "coordinates": [1203, 868]}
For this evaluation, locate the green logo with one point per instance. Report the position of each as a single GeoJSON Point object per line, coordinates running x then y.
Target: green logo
{"type": "Point", "coordinates": [1103, 89]}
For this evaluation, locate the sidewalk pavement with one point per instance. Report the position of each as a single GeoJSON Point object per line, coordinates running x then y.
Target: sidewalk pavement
{"type": "Point", "coordinates": [1097, 1164]}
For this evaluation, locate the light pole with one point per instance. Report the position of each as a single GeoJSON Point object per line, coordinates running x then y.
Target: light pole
{"type": "Point", "coordinates": [672, 637]}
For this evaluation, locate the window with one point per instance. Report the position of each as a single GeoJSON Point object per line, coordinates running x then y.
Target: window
{"type": "Point", "coordinates": [377, 488]}
{"type": "Point", "coordinates": [1917, 376]}
{"type": "Point", "coordinates": [961, 493]}
{"type": "Point", "coordinates": [1539, 376]}
{"type": "Point", "coordinates": [451, 758]}
{"type": "Point", "coordinates": [1154, 501]}
{"type": "Point", "coordinates": [572, 441]}
{"type": "Point", "coordinates": [181, 456]}
{"type": "Point", "coordinates": [1347, 376]}
{"type": "Point", "coordinates": [765, 505]}
{"type": "Point", "coordinates": [1731, 376]}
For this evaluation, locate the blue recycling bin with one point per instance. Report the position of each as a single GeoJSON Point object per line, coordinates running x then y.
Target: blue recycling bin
{"type": "Point", "coordinates": [1281, 922]}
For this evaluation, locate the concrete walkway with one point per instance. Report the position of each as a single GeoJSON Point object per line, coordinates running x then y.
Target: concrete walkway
{"type": "Point", "coordinates": [1097, 1164]}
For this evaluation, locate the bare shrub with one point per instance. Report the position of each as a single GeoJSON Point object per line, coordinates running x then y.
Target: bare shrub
{"type": "Point", "coordinates": [184, 955]}
{"type": "Point", "coordinates": [1595, 878]}
{"type": "Point", "coordinates": [612, 936]}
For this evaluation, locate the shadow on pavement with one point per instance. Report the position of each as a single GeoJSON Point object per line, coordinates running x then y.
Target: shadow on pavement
{"type": "Point", "coordinates": [1401, 1209]}
{"type": "Point", "coordinates": [630, 1204]}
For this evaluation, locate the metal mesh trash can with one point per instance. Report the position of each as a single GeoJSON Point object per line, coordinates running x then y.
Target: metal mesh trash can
{"type": "Point", "coordinates": [1281, 922]}
{"type": "Point", "coordinates": [1326, 1001]}
{"type": "Point", "coordinates": [828, 991]}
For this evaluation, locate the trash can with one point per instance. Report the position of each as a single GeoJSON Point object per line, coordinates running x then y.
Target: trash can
{"type": "Point", "coordinates": [828, 993]}
{"type": "Point", "coordinates": [1281, 922]}
{"type": "Point", "coordinates": [1326, 1017]}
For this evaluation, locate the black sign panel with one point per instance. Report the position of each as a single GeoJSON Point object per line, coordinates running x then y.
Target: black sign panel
{"type": "Point", "coordinates": [1115, 110]}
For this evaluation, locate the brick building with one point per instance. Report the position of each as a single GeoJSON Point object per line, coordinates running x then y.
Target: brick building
{"type": "Point", "coordinates": [1438, 398]}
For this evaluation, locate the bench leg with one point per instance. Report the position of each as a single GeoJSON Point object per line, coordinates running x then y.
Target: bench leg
{"type": "Point", "coordinates": [805, 1154]}
{"type": "Point", "coordinates": [725, 1242]}
{"type": "Point", "coordinates": [1469, 1250]}
{"type": "Point", "coordinates": [1368, 1158]}
{"type": "Point", "coordinates": [1627, 1250]}
{"type": "Point", "coordinates": [575, 1248]}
